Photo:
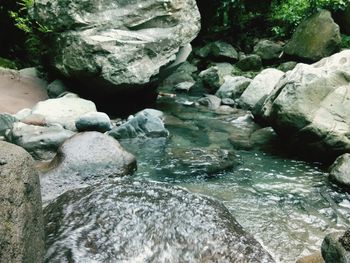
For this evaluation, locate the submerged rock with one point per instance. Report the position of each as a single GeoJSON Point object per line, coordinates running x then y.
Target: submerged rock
{"type": "Point", "coordinates": [21, 217]}
{"type": "Point", "coordinates": [84, 159]}
{"type": "Point", "coordinates": [41, 142]}
{"type": "Point", "coordinates": [146, 123]}
{"type": "Point", "coordinates": [310, 106]}
{"type": "Point", "coordinates": [116, 44]}
{"type": "Point", "coordinates": [315, 38]}
{"type": "Point", "coordinates": [135, 221]}
{"type": "Point", "coordinates": [340, 170]}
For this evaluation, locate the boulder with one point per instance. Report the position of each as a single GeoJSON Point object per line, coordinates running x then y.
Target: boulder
{"type": "Point", "coordinates": [336, 248]}
{"type": "Point", "coordinates": [218, 50]}
{"type": "Point", "coordinates": [115, 44]}
{"type": "Point", "coordinates": [210, 101]}
{"type": "Point", "coordinates": [268, 50]}
{"type": "Point", "coordinates": [310, 106]}
{"type": "Point", "coordinates": [83, 160]}
{"type": "Point", "coordinates": [250, 62]}
{"type": "Point", "coordinates": [41, 142]}
{"type": "Point", "coordinates": [233, 87]}
{"type": "Point", "coordinates": [56, 88]}
{"type": "Point", "coordinates": [184, 73]}
{"type": "Point", "coordinates": [340, 170]}
{"type": "Point", "coordinates": [214, 76]}
{"type": "Point", "coordinates": [6, 122]}
{"type": "Point", "coordinates": [140, 221]}
{"type": "Point", "coordinates": [94, 121]}
{"type": "Point", "coordinates": [146, 123]}
{"type": "Point", "coordinates": [262, 85]}
{"type": "Point", "coordinates": [64, 111]}
{"type": "Point", "coordinates": [315, 38]}
{"type": "Point", "coordinates": [313, 258]}
{"type": "Point", "coordinates": [21, 217]}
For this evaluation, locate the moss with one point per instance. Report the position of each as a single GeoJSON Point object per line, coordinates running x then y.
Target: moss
{"type": "Point", "coordinates": [5, 63]}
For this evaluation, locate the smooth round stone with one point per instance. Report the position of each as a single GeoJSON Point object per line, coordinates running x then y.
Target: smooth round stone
{"type": "Point", "coordinates": [94, 121]}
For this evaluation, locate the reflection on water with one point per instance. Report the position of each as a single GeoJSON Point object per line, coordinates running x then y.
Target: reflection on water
{"type": "Point", "coordinates": [288, 205]}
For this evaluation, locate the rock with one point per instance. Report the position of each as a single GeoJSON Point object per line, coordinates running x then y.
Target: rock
{"type": "Point", "coordinates": [41, 142]}
{"type": "Point", "coordinates": [340, 170]}
{"type": "Point", "coordinates": [228, 101]}
{"type": "Point", "coordinates": [23, 113]}
{"type": "Point", "coordinates": [233, 87]}
{"type": "Point", "coordinates": [146, 123]}
{"type": "Point", "coordinates": [21, 217]}
{"type": "Point", "coordinates": [20, 90]}
{"type": "Point", "coordinates": [249, 63]}
{"type": "Point", "coordinates": [146, 222]}
{"type": "Point", "coordinates": [218, 50]}
{"type": "Point", "coordinates": [286, 66]}
{"type": "Point", "coordinates": [268, 50]}
{"type": "Point", "coordinates": [116, 44]}
{"type": "Point", "coordinates": [85, 159]}
{"type": "Point", "coordinates": [262, 85]}
{"type": "Point", "coordinates": [56, 88]}
{"type": "Point", "coordinates": [6, 122]}
{"type": "Point", "coordinates": [210, 101]}
{"type": "Point", "coordinates": [213, 77]}
{"type": "Point", "coordinates": [64, 111]}
{"type": "Point", "coordinates": [94, 121]}
{"type": "Point", "coordinates": [309, 106]}
{"type": "Point", "coordinates": [314, 258]}
{"type": "Point", "coordinates": [184, 73]}
{"type": "Point", "coordinates": [315, 38]}
{"type": "Point", "coordinates": [34, 119]}
{"type": "Point", "coordinates": [335, 248]}
{"type": "Point", "coordinates": [184, 86]}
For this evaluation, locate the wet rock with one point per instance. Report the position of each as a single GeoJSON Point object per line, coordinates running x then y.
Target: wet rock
{"type": "Point", "coordinates": [228, 101]}
{"type": "Point", "coordinates": [202, 161]}
{"type": "Point", "coordinates": [93, 121]}
{"type": "Point", "coordinates": [214, 76]}
{"type": "Point", "coordinates": [83, 160]}
{"type": "Point", "coordinates": [148, 34]}
{"type": "Point", "coordinates": [146, 123]}
{"type": "Point", "coordinates": [340, 170]}
{"type": "Point", "coordinates": [233, 87]}
{"type": "Point", "coordinates": [41, 142]}
{"type": "Point", "coordinates": [262, 85]}
{"type": "Point", "coordinates": [315, 38]}
{"type": "Point", "coordinates": [56, 88]}
{"type": "Point", "coordinates": [21, 217]}
{"type": "Point", "coordinates": [210, 101]}
{"type": "Point", "coordinates": [249, 63]}
{"type": "Point", "coordinates": [309, 106]}
{"type": "Point", "coordinates": [268, 50]}
{"type": "Point", "coordinates": [147, 222]}
{"type": "Point", "coordinates": [6, 122]}
{"type": "Point", "coordinates": [335, 248]}
{"type": "Point", "coordinates": [64, 111]}
{"type": "Point", "coordinates": [184, 86]}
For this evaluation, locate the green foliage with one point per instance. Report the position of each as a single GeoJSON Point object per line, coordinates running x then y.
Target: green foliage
{"type": "Point", "coordinates": [345, 41]}
{"type": "Point", "coordinates": [286, 15]}
{"type": "Point", "coordinates": [6, 63]}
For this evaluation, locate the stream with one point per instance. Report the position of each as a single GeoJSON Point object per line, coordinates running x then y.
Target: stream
{"type": "Point", "coordinates": [287, 204]}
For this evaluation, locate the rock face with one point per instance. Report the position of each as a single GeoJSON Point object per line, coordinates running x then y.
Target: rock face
{"type": "Point", "coordinates": [255, 94]}
{"type": "Point", "coordinates": [41, 142]}
{"type": "Point", "coordinates": [116, 44]}
{"type": "Point", "coordinates": [146, 123]}
{"type": "Point", "coordinates": [310, 105]}
{"type": "Point", "coordinates": [336, 248]}
{"type": "Point", "coordinates": [340, 170]}
{"type": "Point", "coordinates": [315, 38]}
{"type": "Point", "coordinates": [144, 222]}
{"type": "Point", "coordinates": [21, 218]}
{"type": "Point", "coordinates": [84, 159]}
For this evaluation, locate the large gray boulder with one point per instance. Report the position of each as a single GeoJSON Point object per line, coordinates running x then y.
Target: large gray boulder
{"type": "Point", "coordinates": [21, 218]}
{"type": "Point", "coordinates": [311, 105]}
{"type": "Point", "coordinates": [140, 221]}
{"type": "Point", "coordinates": [340, 170]}
{"type": "Point", "coordinates": [41, 142]}
{"type": "Point", "coordinates": [84, 159]}
{"type": "Point", "coordinates": [116, 43]}
{"type": "Point", "coordinates": [315, 38]}
{"type": "Point", "coordinates": [262, 85]}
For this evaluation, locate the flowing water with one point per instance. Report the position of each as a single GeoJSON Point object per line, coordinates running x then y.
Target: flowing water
{"type": "Point", "coordinates": [287, 204]}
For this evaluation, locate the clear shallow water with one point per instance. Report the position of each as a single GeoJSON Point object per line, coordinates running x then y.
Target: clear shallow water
{"type": "Point", "coordinates": [288, 205]}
